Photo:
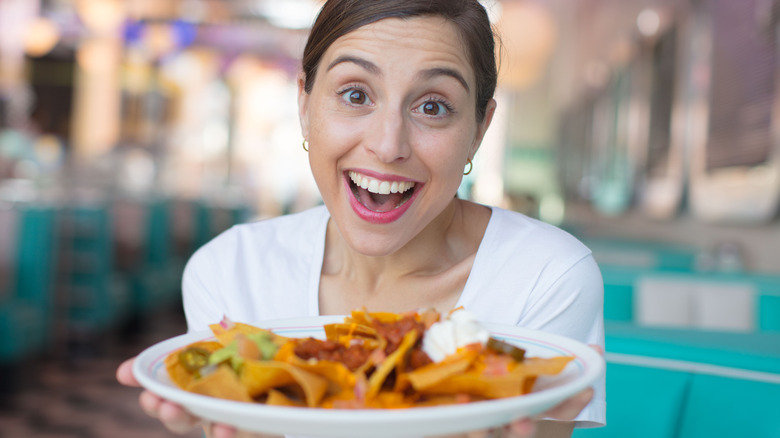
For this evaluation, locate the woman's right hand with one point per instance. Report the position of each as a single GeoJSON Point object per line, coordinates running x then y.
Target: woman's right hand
{"type": "Point", "coordinates": [174, 417]}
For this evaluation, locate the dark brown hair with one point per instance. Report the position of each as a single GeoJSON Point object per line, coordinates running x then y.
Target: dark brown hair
{"type": "Point", "coordinates": [339, 17]}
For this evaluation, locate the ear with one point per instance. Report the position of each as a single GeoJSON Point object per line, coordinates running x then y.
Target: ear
{"type": "Point", "coordinates": [482, 127]}
{"type": "Point", "coordinates": [303, 100]}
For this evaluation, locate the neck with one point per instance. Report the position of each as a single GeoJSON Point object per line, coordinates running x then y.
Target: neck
{"type": "Point", "coordinates": [432, 251]}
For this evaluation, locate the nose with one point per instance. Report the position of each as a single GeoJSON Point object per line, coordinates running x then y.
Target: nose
{"type": "Point", "coordinates": [389, 138]}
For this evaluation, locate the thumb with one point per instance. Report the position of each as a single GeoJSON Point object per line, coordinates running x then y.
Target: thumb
{"type": "Point", "coordinates": [124, 374]}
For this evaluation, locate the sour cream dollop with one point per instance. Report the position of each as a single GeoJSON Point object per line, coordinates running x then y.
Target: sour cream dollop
{"type": "Point", "coordinates": [444, 338]}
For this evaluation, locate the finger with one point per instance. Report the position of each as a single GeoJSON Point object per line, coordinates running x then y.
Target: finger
{"type": "Point", "coordinates": [124, 373]}
{"type": "Point", "coordinates": [569, 409]}
{"type": "Point", "coordinates": [524, 428]}
{"type": "Point", "coordinates": [478, 434]}
{"type": "Point", "coordinates": [176, 419]}
{"type": "Point", "coordinates": [150, 403]}
{"type": "Point", "coordinates": [598, 348]}
{"type": "Point", "coordinates": [222, 431]}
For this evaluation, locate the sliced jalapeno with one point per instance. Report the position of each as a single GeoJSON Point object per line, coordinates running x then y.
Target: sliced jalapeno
{"type": "Point", "coordinates": [499, 346]}
{"type": "Point", "coordinates": [194, 358]}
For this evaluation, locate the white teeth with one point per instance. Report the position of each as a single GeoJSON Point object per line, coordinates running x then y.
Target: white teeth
{"type": "Point", "coordinates": [378, 186]}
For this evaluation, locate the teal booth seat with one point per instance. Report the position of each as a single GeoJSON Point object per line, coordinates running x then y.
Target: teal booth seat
{"type": "Point", "coordinates": [623, 262]}
{"type": "Point", "coordinates": [673, 383]}
{"type": "Point", "coordinates": [97, 298]}
{"type": "Point", "coordinates": [211, 219]}
{"type": "Point", "coordinates": [27, 309]}
{"type": "Point", "coordinates": [154, 269]}
{"type": "Point", "coordinates": [155, 276]}
{"type": "Point", "coordinates": [620, 286]}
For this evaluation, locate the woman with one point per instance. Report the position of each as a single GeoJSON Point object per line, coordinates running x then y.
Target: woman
{"type": "Point", "coordinates": [395, 97]}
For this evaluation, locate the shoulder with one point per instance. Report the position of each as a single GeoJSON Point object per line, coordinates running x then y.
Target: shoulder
{"type": "Point", "coordinates": [521, 258]}
{"type": "Point", "coordinates": [527, 271]}
{"type": "Point", "coordinates": [520, 235]}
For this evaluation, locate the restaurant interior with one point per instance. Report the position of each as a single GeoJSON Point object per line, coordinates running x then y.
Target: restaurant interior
{"type": "Point", "coordinates": [133, 132]}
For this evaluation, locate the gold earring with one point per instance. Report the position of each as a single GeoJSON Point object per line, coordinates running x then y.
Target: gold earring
{"type": "Point", "coordinates": [471, 167]}
{"type": "Point", "coordinates": [305, 145]}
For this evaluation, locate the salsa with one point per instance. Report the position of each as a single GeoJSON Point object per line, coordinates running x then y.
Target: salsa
{"type": "Point", "coordinates": [352, 356]}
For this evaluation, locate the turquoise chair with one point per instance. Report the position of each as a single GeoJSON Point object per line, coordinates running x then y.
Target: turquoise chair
{"type": "Point", "coordinates": [27, 310]}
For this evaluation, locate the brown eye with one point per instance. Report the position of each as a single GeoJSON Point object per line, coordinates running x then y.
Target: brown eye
{"type": "Point", "coordinates": [357, 97]}
{"type": "Point", "coordinates": [431, 108]}
{"type": "Point", "coordinates": [434, 108]}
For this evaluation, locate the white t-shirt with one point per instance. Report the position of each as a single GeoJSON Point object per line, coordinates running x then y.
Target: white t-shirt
{"type": "Point", "coordinates": [526, 273]}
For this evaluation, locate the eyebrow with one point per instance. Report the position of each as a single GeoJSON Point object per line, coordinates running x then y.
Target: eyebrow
{"type": "Point", "coordinates": [442, 71]}
{"type": "Point", "coordinates": [367, 65]}
{"type": "Point", "coordinates": [425, 74]}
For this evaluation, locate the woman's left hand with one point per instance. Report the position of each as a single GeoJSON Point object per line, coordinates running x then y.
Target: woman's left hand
{"type": "Point", "coordinates": [528, 427]}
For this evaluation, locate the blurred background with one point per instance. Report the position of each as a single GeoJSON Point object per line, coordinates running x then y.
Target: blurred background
{"type": "Point", "coordinates": [132, 132]}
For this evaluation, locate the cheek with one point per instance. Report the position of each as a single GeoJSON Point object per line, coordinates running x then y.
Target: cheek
{"type": "Point", "coordinates": [448, 152]}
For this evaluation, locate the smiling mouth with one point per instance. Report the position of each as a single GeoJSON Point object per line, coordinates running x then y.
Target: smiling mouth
{"type": "Point", "coordinates": [378, 195]}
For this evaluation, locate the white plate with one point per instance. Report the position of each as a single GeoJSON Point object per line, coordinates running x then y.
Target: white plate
{"type": "Point", "coordinates": [149, 369]}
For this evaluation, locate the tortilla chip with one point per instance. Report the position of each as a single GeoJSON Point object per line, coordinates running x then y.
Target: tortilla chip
{"type": "Point", "coordinates": [363, 317]}
{"type": "Point", "coordinates": [226, 335]}
{"type": "Point", "coordinates": [336, 373]}
{"type": "Point", "coordinates": [433, 373]}
{"type": "Point", "coordinates": [379, 375]}
{"type": "Point", "coordinates": [479, 385]}
{"type": "Point", "coordinates": [548, 366]}
{"type": "Point", "coordinates": [222, 383]}
{"type": "Point", "coordinates": [335, 332]}
{"type": "Point", "coordinates": [390, 400]}
{"type": "Point", "coordinates": [179, 375]}
{"type": "Point", "coordinates": [260, 376]}
{"type": "Point", "coordinates": [517, 382]}
{"type": "Point", "coordinates": [278, 398]}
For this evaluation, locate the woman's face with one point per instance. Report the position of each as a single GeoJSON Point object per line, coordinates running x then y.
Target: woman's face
{"type": "Point", "coordinates": [391, 122]}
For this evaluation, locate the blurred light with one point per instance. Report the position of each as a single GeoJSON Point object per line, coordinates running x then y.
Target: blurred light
{"type": "Point", "coordinates": [216, 136]}
{"type": "Point", "coordinates": [14, 144]}
{"type": "Point", "coordinates": [489, 189]}
{"type": "Point", "coordinates": [97, 56]}
{"type": "Point", "coordinates": [49, 150]}
{"type": "Point", "coordinates": [137, 70]}
{"type": "Point", "coordinates": [552, 209]}
{"type": "Point", "coordinates": [137, 171]}
{"type": "Point", "coordinates": [648, 22]}
{"type": "Point", "coordinates": [529, 33]}
{"type": "Point", "coordinates": [159, 39]}
{"type": "Point", "coordinates": [40, 37]}
{"type": "Point", "coordinates": [291, 14]}
{"type": "Point", "coordinates": [493, 8]}
{"type": "Point", "coordinates": [101, 16]}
